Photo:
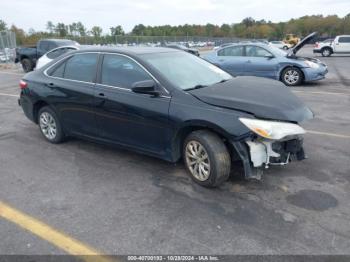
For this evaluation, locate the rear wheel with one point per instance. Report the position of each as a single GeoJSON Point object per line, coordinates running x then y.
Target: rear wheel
{"type": "Point", "coordinates": [292, 76]}
{"type": "Point", "coordinates": [50, 125]}
{"type": "Point", "coordinates": [27, 65]}
{"type": "Point", "coordinates": [206, 158]}
{"type": "Point", "coordinates": [285, 47]}
{"type": "Point", "coordinates": [326, 52]}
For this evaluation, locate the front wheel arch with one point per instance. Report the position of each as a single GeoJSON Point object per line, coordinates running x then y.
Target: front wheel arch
{"type": "Point", "coordinates": [291, 66]}
{"type": "Point", "coordinates": [190, 127]}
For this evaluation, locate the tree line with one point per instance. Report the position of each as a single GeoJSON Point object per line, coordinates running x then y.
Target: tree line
{"type": "Point", "coordinates": [330, 26]}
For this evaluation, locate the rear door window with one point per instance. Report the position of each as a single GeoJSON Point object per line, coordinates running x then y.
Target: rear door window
{"type": "Point", "coordinates": [81, 67]}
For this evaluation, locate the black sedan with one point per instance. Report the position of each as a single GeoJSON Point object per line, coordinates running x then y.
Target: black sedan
{"type": "Point", "coordinates": [168, 104]}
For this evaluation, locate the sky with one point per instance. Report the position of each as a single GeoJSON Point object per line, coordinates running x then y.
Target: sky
{"type": "Point", "coordinates": [106, 13]}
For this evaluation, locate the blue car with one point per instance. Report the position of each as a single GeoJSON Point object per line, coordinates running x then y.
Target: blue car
{"type": "Point", "coordinates": [258, 59]}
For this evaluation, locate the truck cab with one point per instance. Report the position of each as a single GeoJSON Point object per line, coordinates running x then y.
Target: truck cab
{"type": "Point", "coordinates": [340, 45]}
{"type": "Point", "coordinates": [28, 56]}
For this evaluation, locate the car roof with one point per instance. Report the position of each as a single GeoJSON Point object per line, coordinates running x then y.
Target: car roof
{"type": "Point", "coordinates": [134, 50]}
{"type": "Point", "coordinates": [249, 43]}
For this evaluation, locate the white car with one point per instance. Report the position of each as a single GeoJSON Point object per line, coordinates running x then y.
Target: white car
{"type": "Point", "coordinates": [54, 53]}
{"type": "Point", "coordinates": [340, 45]}
{"type": "Point", "coordinates": [280, 44]}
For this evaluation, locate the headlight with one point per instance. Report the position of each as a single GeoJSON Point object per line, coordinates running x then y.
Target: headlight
{"type": "Point", "coordinates": [272, 129]}
{"type": "Point", "coordinates": [311, 64]}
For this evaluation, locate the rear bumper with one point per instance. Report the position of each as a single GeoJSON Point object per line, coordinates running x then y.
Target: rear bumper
{"type": "Point", "coordinates": [27, 106]}
{"type": "Point", "coordinates": [259, 154]}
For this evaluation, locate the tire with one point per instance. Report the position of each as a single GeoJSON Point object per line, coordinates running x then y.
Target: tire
{"type": "Point", "coordinates": [326, 52]}
{"type": "Point", "coordinates": [292, 76]}
{"type": "Point", "coordinates": [50, 125]}
{"type": "Point", "coordinates": [210, 150]}
{"type": "Point", "coordinates": [27, 65]}
{"type": "Point", "coordinates": [285, 47]}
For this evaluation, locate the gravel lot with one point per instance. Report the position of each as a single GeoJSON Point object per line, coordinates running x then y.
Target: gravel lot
{"type": "Point", "coordinates": [120, 202]}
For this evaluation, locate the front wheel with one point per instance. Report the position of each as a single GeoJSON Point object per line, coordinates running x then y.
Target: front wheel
{"type": "Point", "coordinates": [206, 158]}
{"type": "Point", "coordinates": [292, 76]}
{"type": "Point", "coordinates": [326, 52]}
{"type": "Point", "coordinates": [50, 125]}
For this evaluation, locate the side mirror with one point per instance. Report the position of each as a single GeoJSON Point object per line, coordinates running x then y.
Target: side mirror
{"type": "Point", "coordinates": [145, 87]}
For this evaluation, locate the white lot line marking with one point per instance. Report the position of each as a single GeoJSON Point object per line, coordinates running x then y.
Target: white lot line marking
{"type": "Point", "coordinates": [320, 93]}
{"type": "Point", "coordinates": [326, 134]}
{"type": "Point", "coordinates": [3, 94]}
{"type": "Point", "coordinates": [11, 73]}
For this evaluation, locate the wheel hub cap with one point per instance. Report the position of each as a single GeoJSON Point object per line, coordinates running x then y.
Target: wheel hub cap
{"type": "Point", "coordinates": [197, 160]}
{"type": "Point", "coordinates": [48, 125]}
{"type": "Point", "coordinates": [291, 76]}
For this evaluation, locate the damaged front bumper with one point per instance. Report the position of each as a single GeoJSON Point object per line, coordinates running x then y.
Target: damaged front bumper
{"type": "Point", "coordinates": [258, 154]}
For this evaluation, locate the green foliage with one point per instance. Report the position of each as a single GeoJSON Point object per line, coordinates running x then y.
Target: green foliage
{"type": "Point", "coordinates": [3, 25]}
{"type": "Point", "coordinates": [248, 28]}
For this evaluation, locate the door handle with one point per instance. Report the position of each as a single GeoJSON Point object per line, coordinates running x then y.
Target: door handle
{"type": "Point", "coordinates": [101, 95]}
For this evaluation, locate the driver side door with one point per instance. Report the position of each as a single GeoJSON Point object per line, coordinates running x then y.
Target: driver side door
{"type": "Point", "coordinates": [125, 117]}
{"type": "Point", "coordinates": [260, 62]}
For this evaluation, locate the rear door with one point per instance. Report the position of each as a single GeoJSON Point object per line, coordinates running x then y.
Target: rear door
{"type": "Point", "coordinates": [260, 62]}
{"type": "Point", "coordinates": [343, 44]}
{"type": "Point", "coordinates": [232, 60]}
{"type": "Point", "coordinates": [70, 89]}
{"type": "Point", "coordinates": [125, 117]}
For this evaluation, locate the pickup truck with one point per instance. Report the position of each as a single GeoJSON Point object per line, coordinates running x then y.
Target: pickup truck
{"type": "Point", "coordinates": [28, 56]}
{"type": "Point", "coordinates": [340, 45]}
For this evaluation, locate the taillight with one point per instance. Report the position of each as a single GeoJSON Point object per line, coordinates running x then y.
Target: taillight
{"type": "Point", "coordinates": [23, 84]}
{"type": "Point", "coordinates": [316, 44]}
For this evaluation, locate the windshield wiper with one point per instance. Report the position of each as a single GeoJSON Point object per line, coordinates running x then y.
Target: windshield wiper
{"type": "Point", "coordinates": [195, 87]}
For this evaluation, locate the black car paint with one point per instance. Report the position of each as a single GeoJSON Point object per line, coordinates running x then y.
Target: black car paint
{"type": "Point", "coordinates": [155, 125]}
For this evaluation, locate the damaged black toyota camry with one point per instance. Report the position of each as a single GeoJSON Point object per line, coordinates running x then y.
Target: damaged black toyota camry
{"type": "Point", "coordinates": [168, 104]}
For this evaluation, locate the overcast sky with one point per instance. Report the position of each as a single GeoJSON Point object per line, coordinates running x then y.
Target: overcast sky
{"type": "Point", "coordinates": [106, 13]}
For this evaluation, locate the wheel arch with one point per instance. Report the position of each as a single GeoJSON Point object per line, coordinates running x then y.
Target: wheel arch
{"type": "Point", "coordinates": [291, 66]}
{"type": "Point", "coordinates": [194, 125]}
{"type": "Point", "coordinates": [36, 107]}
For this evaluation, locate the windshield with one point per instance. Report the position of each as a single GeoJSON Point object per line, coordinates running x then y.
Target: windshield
{"type": "Point", "coordinates": [186, 71]}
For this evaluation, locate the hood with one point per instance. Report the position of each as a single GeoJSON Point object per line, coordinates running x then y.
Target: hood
{"type": "Point", "coordinates": [303, 42]}
{"type": "Point", "coordinates": [262, 97]}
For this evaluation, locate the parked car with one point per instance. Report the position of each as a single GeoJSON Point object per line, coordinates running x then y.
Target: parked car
{"type": "Point", "coordinates": [340, 45]}
{"type": "Point", "coordinates": [192, 51]}
{"type": "Point", "coordinates": [222, 45]}
{"type": "Point", "coordinates": [28, 56]}
{"type": "Point", "coordinates": [54, 53]}
{"type": "Point", "coordinates": [280, 44]}
{"type": "Point", "coordinates": [168, 104]}
{"type": "Point", "coordinates": [319, 47]}
{"type": "Point", "coordinates": [267, 61]}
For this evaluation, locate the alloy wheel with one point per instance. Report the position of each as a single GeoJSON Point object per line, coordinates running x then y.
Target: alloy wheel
{"type": "Point", "coordinates": [197, 160]}
{"type": "Point", "coordinates": [291, 77]}
{"type": "Point", "coordinates": [48, 125]}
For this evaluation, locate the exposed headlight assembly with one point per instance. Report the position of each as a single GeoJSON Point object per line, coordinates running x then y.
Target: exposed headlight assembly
{"type": "Point", "coordinates": [272, 129]}
{"type": "Point", "coordinates": [311, 64]}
